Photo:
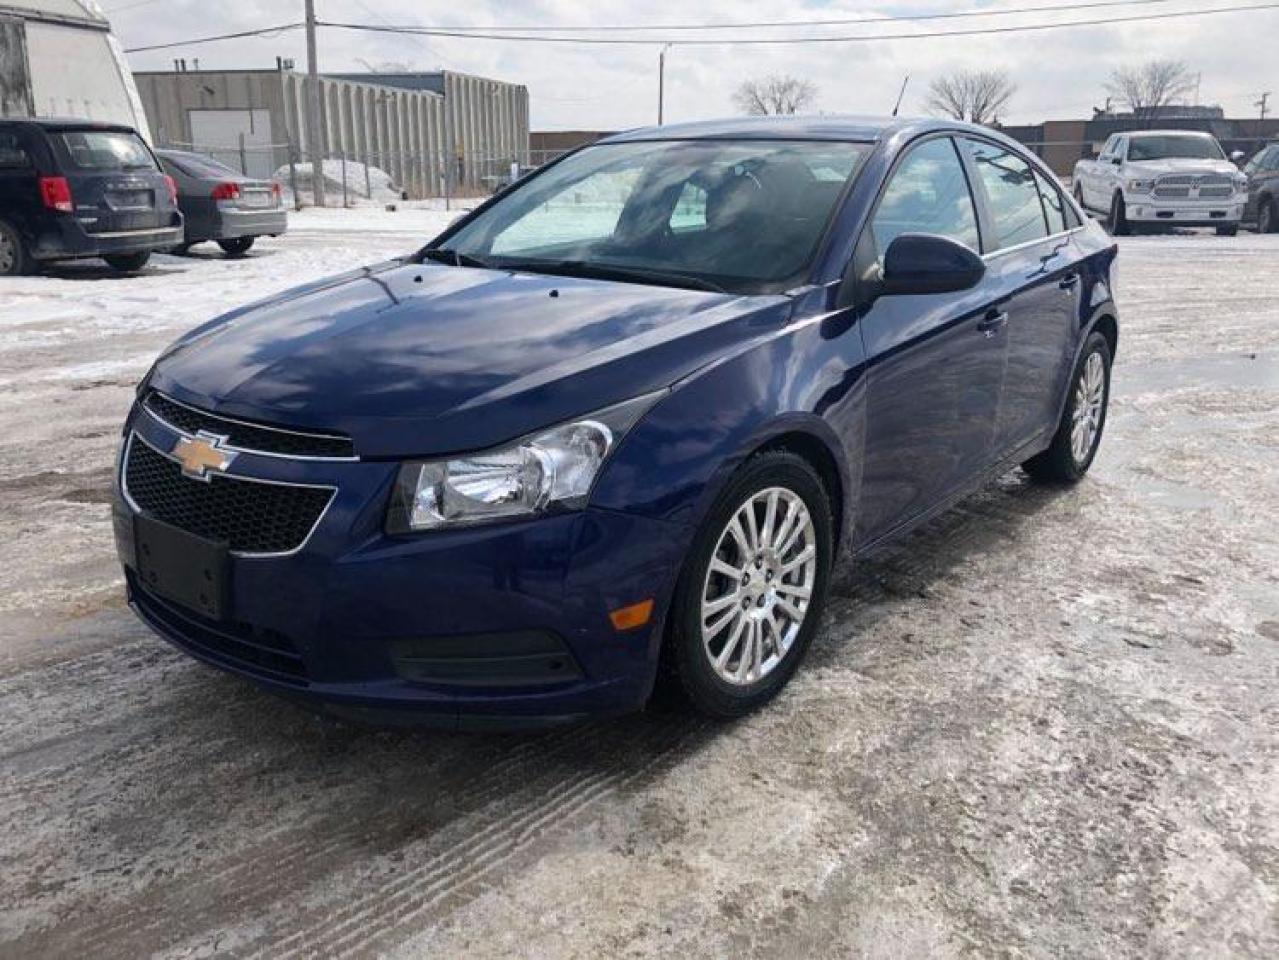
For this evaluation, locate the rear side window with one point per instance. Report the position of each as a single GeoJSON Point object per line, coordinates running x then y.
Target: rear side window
{"type": "Point", "coordinates": [928, 193]}
{"type": "Point", "coordinates": [13, 155]}
{"type": "Point", "coordinates": [1012, 193]}
{"type": "Point", "coordinates": [105, 151]}
{"type": "Point", "coordinates": [1054, 205]}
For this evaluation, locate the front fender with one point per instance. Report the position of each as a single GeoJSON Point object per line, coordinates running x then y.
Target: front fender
{"type": "Point", "coordinates": [807, 380]}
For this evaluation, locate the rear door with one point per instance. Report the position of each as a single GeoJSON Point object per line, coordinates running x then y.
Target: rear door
{"type": "Point", "coordinates": [116, 184]}
{"type": "Point", "coordinates": [1032, 268]}
{"type": "Point", "coordinates": [935, 361]}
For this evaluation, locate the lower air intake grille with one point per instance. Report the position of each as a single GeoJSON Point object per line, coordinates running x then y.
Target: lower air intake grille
{"type": "Point", "coordinates": [251, 517]}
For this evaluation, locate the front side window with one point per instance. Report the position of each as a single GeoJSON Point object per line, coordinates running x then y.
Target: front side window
{"type": "Point", "coordinates": [1012, 193]}
{"type": "Point", "coordinates": [102, 151]}
{"type": "Point", "coordinates": [743, 215]}
{"type": "Point", "coordinates": [928, 193]}
{"type": "Point", "coordinates": [1174, 148]}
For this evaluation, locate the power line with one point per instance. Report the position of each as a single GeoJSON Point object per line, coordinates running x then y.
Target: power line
{"type": "Point", "coordinates": [755, 24]}
{"type": "Point", "coordinates": [261, 32]}
{"type": "Point", "coordinates": [756, 41]}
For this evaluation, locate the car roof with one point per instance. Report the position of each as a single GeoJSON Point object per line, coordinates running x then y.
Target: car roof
{"type": "Point", "coordinates": [857, 129]}
{"type": "Point", "coordinates": [67, 123]}
{"type": "Point", "coordinates": [1167, 133]}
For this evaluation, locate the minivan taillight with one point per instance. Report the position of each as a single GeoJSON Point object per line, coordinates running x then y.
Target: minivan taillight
{"type": "Point", "coordinates": [226, 191]}
{"type": "Point", "coordinates": [173, 188]}
{"type": "Point", "coordinates": [56, 194]}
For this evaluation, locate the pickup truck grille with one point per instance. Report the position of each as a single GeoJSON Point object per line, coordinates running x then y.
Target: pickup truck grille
{"type": "Point", "coordinates": [1182, 186]}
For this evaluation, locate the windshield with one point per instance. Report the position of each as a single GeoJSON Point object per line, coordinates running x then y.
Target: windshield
{"type": "Point", "coordinates": [1170, 148]}
{"type": "Point", "coordinates": [106, 150]}
{"type": "Point", "coordinates": [742, 215]}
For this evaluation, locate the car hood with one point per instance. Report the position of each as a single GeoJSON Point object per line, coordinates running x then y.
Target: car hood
{"type": "Point", "coordinates": [1155, 168]}
{"type": "Point", "coordinates": [423, 359]}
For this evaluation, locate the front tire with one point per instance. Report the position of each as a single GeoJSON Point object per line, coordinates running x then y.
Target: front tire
{"type": "Point", "coordinates": [1078, 435]}
{"type": "Point", "coordinates": [14, 259]}
{"type": "Point", "coordinates": [236, 247]}
{"type": "Point", "coordinates": [1229, 231]}
{"type": "Point", "coordinates": [128, 262]}
{"type": "Point", "coordinates": [753, 587]}
{"type": "Point", "coordinates": [1117, 221]}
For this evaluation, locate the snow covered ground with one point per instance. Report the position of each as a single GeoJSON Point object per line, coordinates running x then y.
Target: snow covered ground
{"type": "Point", "coordinates": [1045, 725]}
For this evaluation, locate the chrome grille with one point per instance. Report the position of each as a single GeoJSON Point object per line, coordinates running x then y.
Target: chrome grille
{"type": "Point", "coordinates": [249, 437]}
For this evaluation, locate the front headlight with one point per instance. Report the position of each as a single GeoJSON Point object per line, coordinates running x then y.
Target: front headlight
{"type": "Point", "coordinates": [1140, 186]}
{"type": "Point", "coordinates": [550, 470]}
{"type": "Point", "coordinates": [1241, 183]}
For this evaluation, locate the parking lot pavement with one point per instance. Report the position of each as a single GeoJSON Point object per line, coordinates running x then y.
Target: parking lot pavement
{"type": "Point", "coordinates": [1045, 725]}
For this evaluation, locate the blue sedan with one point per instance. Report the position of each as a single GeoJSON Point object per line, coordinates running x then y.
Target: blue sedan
{"type": "Point", "coordinates": [616, 423]}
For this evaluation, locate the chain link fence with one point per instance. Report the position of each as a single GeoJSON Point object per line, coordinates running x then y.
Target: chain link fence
{"type": "Point", "coordinates": [377, 177]}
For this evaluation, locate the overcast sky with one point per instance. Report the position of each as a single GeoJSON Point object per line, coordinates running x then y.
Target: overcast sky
{"type": "Point", "coordinates": [1059, 73]}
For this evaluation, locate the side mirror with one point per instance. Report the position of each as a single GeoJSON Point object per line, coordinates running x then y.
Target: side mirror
{"type": "Point", "coordinates": [1116, 160]}
{"type": "Point", "coordinates": [1236, 156]}
{"type": "Point", "coordinates": [917, 263]}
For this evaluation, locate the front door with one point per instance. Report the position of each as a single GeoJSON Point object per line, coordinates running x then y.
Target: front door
{"type": "Point", "coordinates": [935, 361]}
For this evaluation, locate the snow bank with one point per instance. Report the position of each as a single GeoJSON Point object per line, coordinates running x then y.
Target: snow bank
{"type": "Point", "coordinates": [358, 187]}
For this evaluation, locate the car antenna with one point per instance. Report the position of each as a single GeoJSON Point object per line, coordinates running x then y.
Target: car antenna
{"type": "Point", "coordinates": [901, 93]}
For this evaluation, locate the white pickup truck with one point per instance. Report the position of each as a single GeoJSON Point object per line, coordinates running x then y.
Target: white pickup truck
{"type": "Point", "coordinates": [1148, 179]}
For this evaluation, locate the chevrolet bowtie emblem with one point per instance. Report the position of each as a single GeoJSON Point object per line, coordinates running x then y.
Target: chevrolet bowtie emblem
{"type": "Point", "coordinates": [202, 453]}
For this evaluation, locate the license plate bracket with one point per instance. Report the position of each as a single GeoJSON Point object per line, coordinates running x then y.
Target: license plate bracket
{"type": "Point", "coordinates": [179, 566]}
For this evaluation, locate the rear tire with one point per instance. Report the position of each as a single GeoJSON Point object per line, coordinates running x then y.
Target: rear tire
{"type": "Point", "coordinates": [748, 602]}
{"type": "Point", "coordinates": [237, 247]}
{"type": "Point", "coordinates": [14, 259]}
{"type": "Point", "coordinates": [128, 262]}
{"type": "Point", "coordinates": [1117, 221]}
{"type": "Point", "coordinates": [1229, 231]}
{"type": "Point", "coordinates": [1070, 455]}
{"type": "Point", "coordinates": [1268, 216]}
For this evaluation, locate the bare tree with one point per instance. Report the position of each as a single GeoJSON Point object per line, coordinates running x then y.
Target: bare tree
{"type": "Point", "coordinates": [1147, 87]}
{"type": "Point", "coordinates": [977, 96]}
{"type": "Point", "coordinates": [774, 94]}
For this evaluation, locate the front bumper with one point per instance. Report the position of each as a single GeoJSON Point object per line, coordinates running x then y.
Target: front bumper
{"type": "Point", "coordinates": [407, 628]}
{"type": "Point", "coordinates": [67, 239]}
{"type": "Point", "coordinates": [1183, 213]}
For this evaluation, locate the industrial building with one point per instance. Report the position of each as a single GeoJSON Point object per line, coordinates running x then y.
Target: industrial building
{"type": "Point", "coordinates": [414, 126]}
{"type": "Point", "coordinates": [40, 40]}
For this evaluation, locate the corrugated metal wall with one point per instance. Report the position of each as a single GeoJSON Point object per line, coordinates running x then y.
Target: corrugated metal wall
{"type": "Point", "coordinates": [478, 128]}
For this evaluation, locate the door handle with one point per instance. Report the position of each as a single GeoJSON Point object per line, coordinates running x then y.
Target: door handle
{"type": "Point", "coordinates": [1069, 281]}
{"type": "Point", "coordinates": [990, 324]}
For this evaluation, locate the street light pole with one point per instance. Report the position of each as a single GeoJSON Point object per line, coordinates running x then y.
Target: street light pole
{"type": "Point", "coordinates": [661, 82]}
{"type": "Point", "coordinates": [313, 109]}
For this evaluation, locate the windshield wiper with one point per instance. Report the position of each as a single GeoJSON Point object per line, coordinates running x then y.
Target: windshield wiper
{"type": "Point", "coordinates": [454, 258]}
{"type": "Point", "coordinates": [608, 271]}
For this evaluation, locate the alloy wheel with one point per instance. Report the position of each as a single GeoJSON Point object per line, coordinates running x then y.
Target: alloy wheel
{"type": "Point", "coordinates": [759, 586]}
{"type": "Point", "coordinates": [1090, 401]}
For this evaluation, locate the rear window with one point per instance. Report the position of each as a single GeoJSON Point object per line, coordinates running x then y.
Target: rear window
{"type": "Point", "coordinates": [13, 156]}
{"type": "Point", "coordinates": [195, 165]}
{"type": "Point", "coordinates": [107, 151]}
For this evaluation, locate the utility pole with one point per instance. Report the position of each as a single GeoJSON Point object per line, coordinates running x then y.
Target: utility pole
{"type": "Point", "coordinates": [1261, 104]}
{"type": "Point", "coordinates": [661, 82]}
{"type": "Point", "coordinates": [313, 109]}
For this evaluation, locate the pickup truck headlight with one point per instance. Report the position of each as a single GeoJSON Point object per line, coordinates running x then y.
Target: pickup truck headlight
{"type": "Point", "coordinates": [1140, 186]}
{"type": "Point", "coordinates": [552, 469]}
{"type": "Point", "coordinates": [1241, 183]}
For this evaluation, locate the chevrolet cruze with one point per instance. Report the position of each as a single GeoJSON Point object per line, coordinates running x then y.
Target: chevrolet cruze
{"type": "Point", "coordinates": [616, 423]}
